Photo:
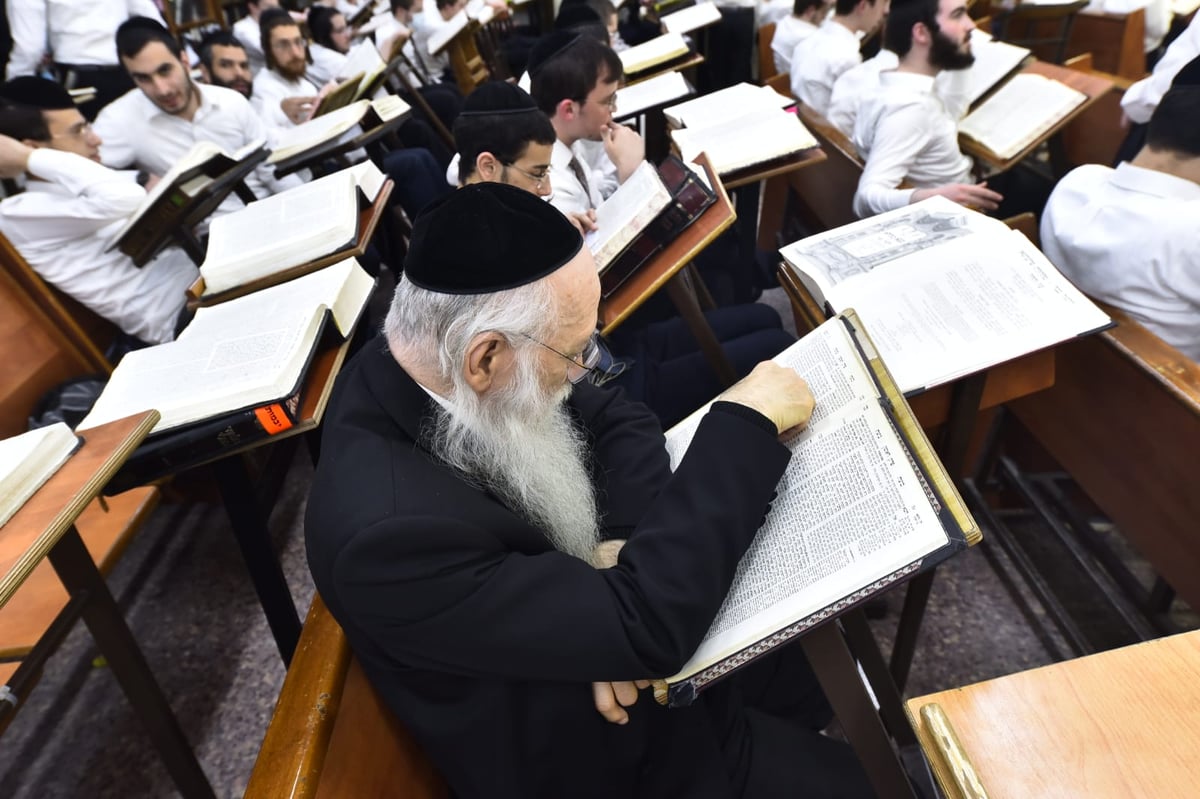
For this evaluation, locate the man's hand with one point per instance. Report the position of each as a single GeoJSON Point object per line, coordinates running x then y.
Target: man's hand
{"type": "Point", "coordinates": [977, 196]}
{"type": "Point", "coordinates": [584, 222]}
{"type": "Point", "coordinates": [151, 181]}
{"type": "Point", "coordinates": [1124, 122]}
{"type": "Point", "coordinates": [612, 698]}
{"type": "Point", "coordinates": [776, 392]}
{"type": "Point", "coordinates": [624, 148]}
{"type": "Point", "coordinates": [298, 109]}
{"type": "Point", "coordinates": [14, 157]}
{"type": "Point", "coordinates": [604, 556]}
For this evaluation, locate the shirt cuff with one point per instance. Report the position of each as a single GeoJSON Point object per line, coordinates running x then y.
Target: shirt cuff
{"type": "Point", "coordinates": [749, 414]}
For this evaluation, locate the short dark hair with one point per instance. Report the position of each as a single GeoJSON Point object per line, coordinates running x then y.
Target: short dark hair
{"type": "Point", "coordinates": [23, 122]}
{"type": "Point", "coordinates": [443, 3]}
{"type": "Point", "coordinates": [904, 14]}
{"type": "Point", "coordinates": [320, 25]}
{"type": "Point", "coordinates": [801, 6]}
{"type": "Point", "coordinates": [136, 32]}
{"type": "Point", "coordinates": [506, 136]}
{"type": "Point", "coordinates": [395, 5]}
{"type": "Point", "coordinates": [271, 19]}
{"type": "Point", "coordinates": [218, 38]}
{"type": "Point", "coordinates": [572, 73]}
{"type": "Point", "coordinates": [1175, 124]}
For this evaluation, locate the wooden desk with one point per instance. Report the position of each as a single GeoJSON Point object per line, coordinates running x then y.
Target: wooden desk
{"type": "Point", "coordinates": [44, 528]}
{"type": "Point", "coordinates": [249, 514]}
{"type": "Point", "coordinates": [1093, 86]}
{"type": "Point", "coordinates": [333, 149]}
{"type": "Point", "coordinates": [1119, 724]}
{"type": "Point", "coordinates": [691, 61]}
{"type": "Point", "coordinates": [666, 269]}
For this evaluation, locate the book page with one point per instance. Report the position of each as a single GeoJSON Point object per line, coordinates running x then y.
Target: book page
{"type": "Point", "coordinates": [658, 90]}
{"type": "Point", "coordinates": [307, 135]}
{"type": "Point", "coordinates": [973, 302]}
{"type": "Point", "coordinates": [28, 460]}
{"type": "Point", "coordinates": [718, 107]}
{"type": "Point", "coordinates": [828, 258]}
{"type": "Point", "coordinates": [282, 231]}
{"type": "Point", "coordinates": [1182, 8]}
{"type": "Point", "coordinates": [851, 508]}
{"type": "Point", "coordinates": [443, 35]}
{"type": "Point", "coordinates": [364, 58]}
{"type": "Point", "coordinates": [744, 140]}
{"type": "Point", "coordinates": [627, 212]}
{"type": "Point", "coordinates": [690, 19]}
{"type": "Point", "coordinates": [656, 51]}
{"type": "Point", "coordinates": [1018, 113]}
{"type": "Point", "coordinates": [993, 61]}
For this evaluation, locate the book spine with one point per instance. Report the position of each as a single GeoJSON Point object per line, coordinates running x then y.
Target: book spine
{"type": "Point", "coordinates": [162, 214]}
{"type": "Point", "coordinates": [178, 450]}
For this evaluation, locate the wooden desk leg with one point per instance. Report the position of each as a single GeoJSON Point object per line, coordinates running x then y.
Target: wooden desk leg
{"type": "Point", "coordinates": [952, 449]}
{"type": "Point", "coordinates": [689, 308]}
{"type": "Point", "coordinates": [79, 575]}
{"type": "Point", "coordinates": [836, 670]}
{"type": "Point", "coordinates": [254, 538]}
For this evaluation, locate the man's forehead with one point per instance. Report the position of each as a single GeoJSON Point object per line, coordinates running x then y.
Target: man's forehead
{"type": "Point", "coordinates": [285, 32]}
{"type": "Point", "coordinates": [227, 52]}
{"type": "Point", "coordinates": [947, 7]}
{"type": "Point", "coordinates": [62, 118]}
{"type": "Point", "coordinates": [152, 57]}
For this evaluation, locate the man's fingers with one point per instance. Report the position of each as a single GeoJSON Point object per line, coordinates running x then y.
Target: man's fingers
{"type": "Point", "coordinates": [606, 703]}
{"type": "Point", "coordinates": [626, 693]}
{"type": "Point", "coordinates": [641, 684]}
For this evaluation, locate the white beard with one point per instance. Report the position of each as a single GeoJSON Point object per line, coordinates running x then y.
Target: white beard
{"type": "Point", "coordinates": [521, 445]}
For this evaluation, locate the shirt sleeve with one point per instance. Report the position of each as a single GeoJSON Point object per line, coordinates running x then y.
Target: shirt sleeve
{"type": "Point", "coordinates": [899, 137]}
{"type": "Point", "coordinates": [101, 196]}
{"type": "Point", "coordinates": [144, 8]}
{"type": "Point", "coordinates": [113, 126]}
{"type": "Point", "coordinates": [27, 24]}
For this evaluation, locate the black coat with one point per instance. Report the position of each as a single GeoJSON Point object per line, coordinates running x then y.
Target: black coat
{"type": "Point", "coordinates": [484, 640]}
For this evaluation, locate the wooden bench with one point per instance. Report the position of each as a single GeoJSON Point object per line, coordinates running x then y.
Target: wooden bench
{"type": "Point", "coordinates": [48, 346]}
{"type": "Point", "coordinates": [331, 735]}
{"type": "Point", "coordinates": [825, 191]}
{"type": "Point", "coordinates": [1117, 42]}
{"type": "Point", "coordinates": [766, 56]}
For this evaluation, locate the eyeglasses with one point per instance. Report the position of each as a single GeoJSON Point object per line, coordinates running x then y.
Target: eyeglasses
{"type": "Point", "coordinates": [76, 131]}
{"type": "Point", "coordinates": [611, 102]}
{"type": "Point", "coordinates": [538, 178]}
{"type": "Point", "coordinates": [591, 355]}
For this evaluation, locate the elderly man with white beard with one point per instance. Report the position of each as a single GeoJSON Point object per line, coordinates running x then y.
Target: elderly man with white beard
{"type": "Point", "coordinates": [508, 551]}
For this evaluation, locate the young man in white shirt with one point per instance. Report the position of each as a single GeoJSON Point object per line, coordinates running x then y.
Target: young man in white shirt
{"type": "Point", "coordinates": [1130, 236]}
{"type": "Point", "coordinates": [155, 125]}
{"type": "Point", "coordinates": [1141, 98]}
{"type": "Point", "coordinates": [78, 36]}
{"type": "Point", "coordinates": [283, 94]}
{"type": "Point", "coordinates": [903, 130]}
{"type": "Point", "coordinates": [247, 32]}
{"type": "Point", "coordinates": [818, 60]}
{"type": "Point", "coordinates": [63, 224]}
{"type": "Point", "coordinates": [805, 19]}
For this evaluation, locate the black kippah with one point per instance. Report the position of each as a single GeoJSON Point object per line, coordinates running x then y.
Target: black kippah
{"type": "Point", "coordinates": [1188, 76]}
{"type": "Point", "coordinates": [37, 93]}
{"type": "Point", "coordinates": [548, 47]}
{"type": "Point", "coordinates": [498, 97]}
{"type": "Point", "coordinates": [488, 237]}
{"type": "Point", "coordinates": [574, 15]}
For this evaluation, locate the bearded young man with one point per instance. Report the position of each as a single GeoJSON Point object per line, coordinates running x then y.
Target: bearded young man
{"type": "Point", "coordinates": [155, 125]}
{"type": "Point", "coordinates": [224, 62]}
{"type": "Point", "coordinates": [510, 555]}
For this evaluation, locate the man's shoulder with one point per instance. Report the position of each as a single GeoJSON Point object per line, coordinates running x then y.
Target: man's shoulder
{"type": "Point", "coordinates": [223, 98]}
{"type": "Point", "coordinates": [133, 104]}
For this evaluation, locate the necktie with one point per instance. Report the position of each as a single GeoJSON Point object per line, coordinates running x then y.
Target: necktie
{"type": "Point", "coordinates": [581, 176]}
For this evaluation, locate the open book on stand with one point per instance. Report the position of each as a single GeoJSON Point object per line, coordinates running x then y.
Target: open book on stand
{"type": "Point", "coordinates": [655, 55]}
{"type": "Point", "coordinates": [27, 461]}
{"type": "Point", "coordinates": [689, 19]}
{"type": "Point", "coordinates": [864, 504]}
{"type": "Point", "coordinates": [234, 375]}
{"type": "Point", "coordinates": [189, 191]}
{"type": "Point", "coordinates": [647, 212]}
{"type": "Point", "coordinates": [943, 290]}
{"type": "Point", "coordinates": [290, 234]}
{"type": "Point", "coordinates": [1019, 113]}
{"type": "Point", "coordinates": [326, 133]}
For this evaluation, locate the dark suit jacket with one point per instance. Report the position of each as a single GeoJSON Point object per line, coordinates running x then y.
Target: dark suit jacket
{"type": "Point", "coordinates": [484, 640]}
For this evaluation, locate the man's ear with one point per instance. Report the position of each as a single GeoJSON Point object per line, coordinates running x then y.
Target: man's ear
{"type": "Point", "coordinates": [488, 166]}
{"type": "Point", "coordinates": [565, 109]}
{"type": "Point", "coordinates": [35, 144]}
{"type": "Point", "coordinates": [489, 359]}
{"type": "Point", "coordinates": [921, 34]}
{"type": "Point", "coordinates": [204, 75]}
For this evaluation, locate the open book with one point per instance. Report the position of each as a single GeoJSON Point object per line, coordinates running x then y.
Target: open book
{"type": "Point", "coordinates": [337, 127]}
{"type": "Point", "coordinates": [1019, 113]}
{"type": "Point", "coordinates": [27, 461]}
{"type": "Point", "coordinates": [659, 50]}
{"type": "Point", "coordinates": [739, 141]}
{"type": "Point", "coordinates": [290, 229]}
{"type": "Point", "coordinates": [659, 90]}
{"type": "Point", "coordinates": [689, 19]}
{"type": "Point", "coordinates": [245, 354]}
{"type": "Point", "coordinates": [944, 291]}
{"type": "Point", "coordinates": [864, 503]}
{"type": "Point", "coordinates": [200, 180]}
{"type": "Point", "coordinates": [627, 212]}
{"type": "Point", "coordinates": [724, 104]}
{"type": "Point", "coordinates": [994, 61]}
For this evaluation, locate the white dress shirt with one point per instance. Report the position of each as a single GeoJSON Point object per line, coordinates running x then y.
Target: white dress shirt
{"type": "Point", "coordinates": [904, 132]}
{"type": "Point", "coordinates": [855, 83]}
{"type": "Point", "coordinates": [327, 65]}
{"type": "Point", "coordinates": [64, 224]}
{"type": "Point", "coordinates": [270, 88]}
{"type": "Point", "coordinates": [819, 60]}
{"type": "Point", "coordinates": [1142, 98]}
{"type": "Point", "coordinates": [134, 131]}
{"type": "Point", "coordinates": [569, 195]}
{"type": "Point", "coordinates": [1129, 237]}
{"type": "Point", "coordinates": [769, 11]}
{"type": "Point", "coordinates": [1157, 19]}
{"type": "Point", "coordinates": [250, 35]}
{"type": "Point", "coordinates": [72, 32]}
{"type": "Point", "coordinates": [789, 32]}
